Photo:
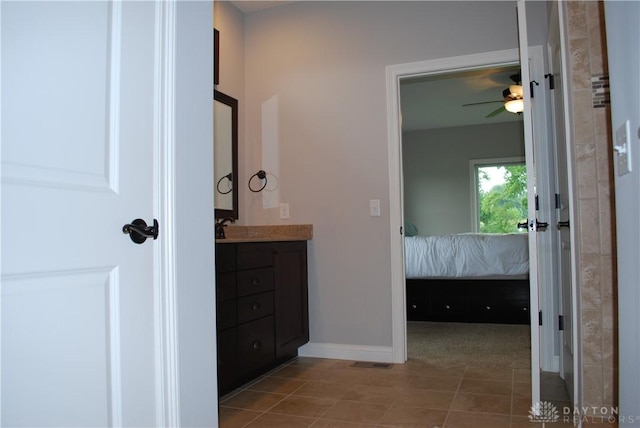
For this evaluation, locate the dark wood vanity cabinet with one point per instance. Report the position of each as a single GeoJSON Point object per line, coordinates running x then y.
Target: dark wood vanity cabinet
{"type": "Point", "coordinates": [262, 309]}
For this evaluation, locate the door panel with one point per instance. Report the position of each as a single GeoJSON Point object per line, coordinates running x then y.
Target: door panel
{"type": "Point", "coordinates": [77, 153]}
{"type": "Point", "coordinates": [531, 195]}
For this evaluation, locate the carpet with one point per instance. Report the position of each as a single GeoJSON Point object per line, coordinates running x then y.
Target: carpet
{"type": "Point", "coordinates": [480, 345]}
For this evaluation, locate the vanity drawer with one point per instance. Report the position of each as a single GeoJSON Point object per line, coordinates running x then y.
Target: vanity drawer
{"type": "Point", "coordinates": [255, 255]}
{"type": "Point", "coordinates": [255, 306]}
{"type": "Point", "coordinates": [256, 344]}
{"type": "Point", "coordinates": [227, 314]}
{"type": "Point", "coordinates": [227, 359]}
{"type": "Point", "coordinates": [225, 286]}
{"type": "Point", "coordinates": [225, 258]}
{"type": "Point", "coordinates": [255, 281]}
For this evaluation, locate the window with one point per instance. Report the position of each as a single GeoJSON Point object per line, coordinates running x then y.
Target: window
{"type": "Point", "coordinates": [499, 195]}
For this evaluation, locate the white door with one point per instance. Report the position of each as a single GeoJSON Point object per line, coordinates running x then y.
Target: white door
{"type": "Point", "coordinates": [77, 164]}
{"type": "Point", "coordinates": [563, 204]}
{"type": "Point", "coordinates": [531, 195]}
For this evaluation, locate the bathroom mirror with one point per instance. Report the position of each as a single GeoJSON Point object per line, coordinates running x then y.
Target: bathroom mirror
{"type": "Point", "coordinates": [225, 152]}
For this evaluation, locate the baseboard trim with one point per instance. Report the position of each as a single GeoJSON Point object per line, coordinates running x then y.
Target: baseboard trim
{"type": "Point", "coordinates": [378, 354]}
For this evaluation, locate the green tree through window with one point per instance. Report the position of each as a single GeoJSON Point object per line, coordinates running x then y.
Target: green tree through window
{"type": "Point", "coordinates": [503, 205]}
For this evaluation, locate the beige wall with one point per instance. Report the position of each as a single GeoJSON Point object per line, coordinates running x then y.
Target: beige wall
{"type": "Point", "coordinates": [229, 21]}
{"type": "Point", "coordinates": [592, 152]}
{"type": "Point", "coordinates": [318, 69]}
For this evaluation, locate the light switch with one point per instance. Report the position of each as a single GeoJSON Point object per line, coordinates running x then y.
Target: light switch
{"type": "Point", "coordinates": [622, 149]}
{"type": "Point", "coordinates": [374, 208]}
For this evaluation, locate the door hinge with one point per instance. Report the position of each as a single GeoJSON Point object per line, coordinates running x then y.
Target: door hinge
{"type": "Point", "coordinates": [533, 82]}
{"type": "Point", "coordinates": [557, 201]}
{"type": "Point", "coordinates": [539, 317]}
{"type": "Point", "coordinates": [552, 80]}
{"type": "Point", "coordinates": [560, 322]}
{"type": "Point", "coordinates": [537, 203]}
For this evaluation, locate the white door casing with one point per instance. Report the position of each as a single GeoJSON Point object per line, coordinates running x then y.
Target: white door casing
{"type": "Point", "coordinates": [564, 186]}
{"type": "Point", "coordinates": [88, 336]}
{"type": "Point", "coordinates": [527, 114]}
{"type": "Point", "coordinates": [394, 74]}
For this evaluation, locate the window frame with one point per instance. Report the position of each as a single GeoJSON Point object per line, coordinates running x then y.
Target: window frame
{"type": "Point", "coordinates": [474, 164]}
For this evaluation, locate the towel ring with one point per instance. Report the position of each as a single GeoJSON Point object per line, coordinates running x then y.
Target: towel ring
{"type": "Point", "coordinates": [262, 176]}
{"type": "Point", "coordinates": [228, 177]}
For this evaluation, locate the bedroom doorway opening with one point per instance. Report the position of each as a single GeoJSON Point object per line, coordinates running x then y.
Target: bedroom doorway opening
{"type": "Point", "coordinates": [406, 215]}
{"type": "Point", "coordinates": [464, 175]}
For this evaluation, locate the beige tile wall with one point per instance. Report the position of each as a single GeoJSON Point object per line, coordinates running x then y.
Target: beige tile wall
{"type": "Point", "coordinates": [592, 152]}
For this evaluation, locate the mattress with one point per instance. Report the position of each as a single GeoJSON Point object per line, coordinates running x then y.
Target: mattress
{"type": "Point", "coordinates": [467, 255]}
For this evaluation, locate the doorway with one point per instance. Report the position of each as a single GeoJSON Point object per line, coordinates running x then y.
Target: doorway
{"type": "Point", "coordinates": [544, 338]}
{"type": "Point", "coordinates": [464, 176]}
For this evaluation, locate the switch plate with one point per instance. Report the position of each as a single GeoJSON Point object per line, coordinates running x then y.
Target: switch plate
{"type": "Point", "coordinates": [374, 208]}
{"type": "Point", "coordinates": [622, 149]}
{"type": "Point", "coordinates": [284, 211]}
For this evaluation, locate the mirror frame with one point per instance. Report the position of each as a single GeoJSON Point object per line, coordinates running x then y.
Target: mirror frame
{"type": "Point", "coordinates": [233, 103]}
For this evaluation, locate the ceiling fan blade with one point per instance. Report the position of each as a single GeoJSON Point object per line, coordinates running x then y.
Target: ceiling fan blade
{"type": "Point", "coordinates": [483, 102]}
{"type": "Point", "coordinates": [495, 112]}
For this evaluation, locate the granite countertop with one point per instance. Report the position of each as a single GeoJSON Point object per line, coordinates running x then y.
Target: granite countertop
{"type": "Point", "coordinates": [294, 232]}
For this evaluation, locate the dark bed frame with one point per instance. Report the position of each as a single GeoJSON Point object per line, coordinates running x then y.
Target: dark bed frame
{"type": "Point", "coordinates": [500, 301]}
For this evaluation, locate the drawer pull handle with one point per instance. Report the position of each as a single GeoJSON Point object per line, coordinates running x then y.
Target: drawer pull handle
{"type": "Point", "coordinates": [447, 306]}
{"type": "Point", "coordinates": [255, 306]}
{"type": "Point", "coordinates": [255, 281]}
{"type": "Point", "coordinates": [256, 345]}
{"type": "Point", "coordinates": [488, 308]}
{"type": "Point", "coordinates": [524, 309]}
{"type": "Point", "coordinates": [414, 306]}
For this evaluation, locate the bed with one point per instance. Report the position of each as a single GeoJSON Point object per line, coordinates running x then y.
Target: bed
{"type": "Point", "coordinates": [470, 277]}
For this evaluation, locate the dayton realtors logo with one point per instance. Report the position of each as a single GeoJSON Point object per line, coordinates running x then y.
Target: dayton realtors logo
{"type": "Point", "coordinates": [543, 411]}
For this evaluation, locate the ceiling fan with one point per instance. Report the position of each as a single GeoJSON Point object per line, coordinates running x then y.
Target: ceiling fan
{"type": "Point", "coordinates": [512, 98]}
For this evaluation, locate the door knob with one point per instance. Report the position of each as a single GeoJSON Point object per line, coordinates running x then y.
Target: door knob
{"type": "Point", "coordinates": [541, 224]}
{"type": "Point", "coordinates": [562, 224]}
{"type": "Point", "coordinates": [138, 230]}
{"type": "Point", "coordinates": [533, 225]}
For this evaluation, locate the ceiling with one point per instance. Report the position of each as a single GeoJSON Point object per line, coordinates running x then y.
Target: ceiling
{"type": "Point", "coordinates": [429, 102]}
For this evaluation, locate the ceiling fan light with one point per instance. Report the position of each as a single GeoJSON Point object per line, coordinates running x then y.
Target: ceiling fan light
{"type": "Point", "coordinates": [514, 106]}
{"type": "Point", "coordinates": [516, 90]}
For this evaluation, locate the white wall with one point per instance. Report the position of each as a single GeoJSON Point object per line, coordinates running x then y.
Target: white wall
{"type": "Point", "coordinates": [323, 65]}
{"type": "Point", "coordinates": [623, 36]}
{"type": "Point", "coordinates": [437, 189]}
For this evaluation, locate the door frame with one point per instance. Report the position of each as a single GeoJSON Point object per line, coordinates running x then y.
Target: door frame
{"type": "Point", "coordinates": [558, 14]}
{"type": "Point", "coordinates": [394, 73]}
{"type": "Point", "coordinates": [165, 254]}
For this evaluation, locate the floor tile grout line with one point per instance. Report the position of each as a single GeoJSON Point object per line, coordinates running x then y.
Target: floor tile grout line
{"type": "Point", "coordinates": [278, 402]}
{"type": "Point", "coordinates": [446, 418]}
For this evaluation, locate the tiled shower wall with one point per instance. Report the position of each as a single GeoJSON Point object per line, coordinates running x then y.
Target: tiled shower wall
{"type": "Point", "coordinates": [593, 157]}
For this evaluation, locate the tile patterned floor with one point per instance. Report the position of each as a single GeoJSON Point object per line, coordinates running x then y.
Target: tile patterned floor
{"type": "Point", "coordinates": [313, 392]}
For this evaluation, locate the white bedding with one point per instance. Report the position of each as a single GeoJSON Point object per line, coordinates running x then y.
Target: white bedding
{"type": "Point", "coordinates": [468, 255]}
